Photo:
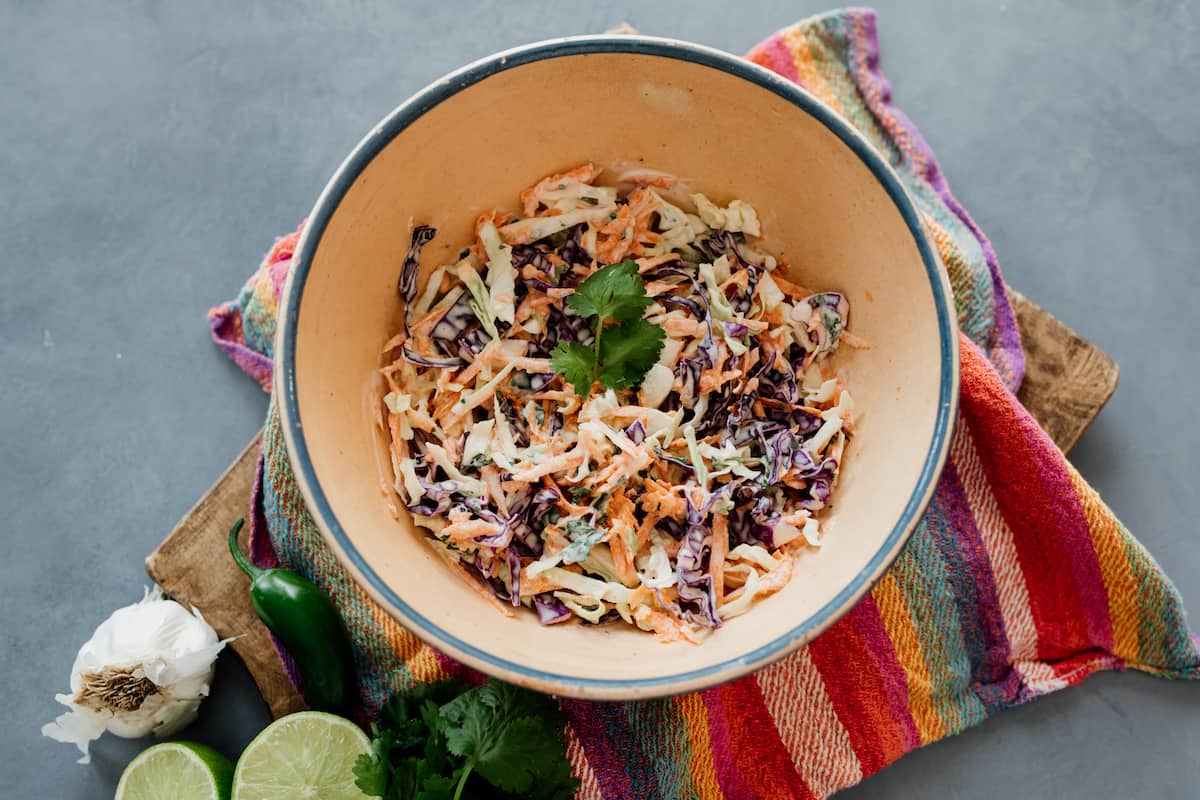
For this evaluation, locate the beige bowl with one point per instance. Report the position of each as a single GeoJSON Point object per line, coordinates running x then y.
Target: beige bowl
{"type": "Point", "coordinates": [831, 208]}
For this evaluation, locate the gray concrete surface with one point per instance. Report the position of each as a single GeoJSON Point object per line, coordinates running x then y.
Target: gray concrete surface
{"type": "Point", "coordinates": [151, 150]}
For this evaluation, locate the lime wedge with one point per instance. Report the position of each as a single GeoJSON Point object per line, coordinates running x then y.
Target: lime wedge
{"type": "Point", "coordinates": [308, 755]}
{"type": "Point", "coordinates": [176, 771]}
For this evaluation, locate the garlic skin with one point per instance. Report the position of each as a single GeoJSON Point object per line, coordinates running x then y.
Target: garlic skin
{"type": "Point", "coordinates": [145, 669]}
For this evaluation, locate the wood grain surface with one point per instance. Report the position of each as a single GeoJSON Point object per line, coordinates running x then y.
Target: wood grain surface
{"type": "Point", "coordinates": [1067, 381]}
{"type": "Point", "coordinates": [1067, 378]}
{"type": "Point", "coordinates": [193, 565]}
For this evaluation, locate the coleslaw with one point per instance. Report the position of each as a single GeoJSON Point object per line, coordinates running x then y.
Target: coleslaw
{"type": "Point", "coordinates": [673, 506]}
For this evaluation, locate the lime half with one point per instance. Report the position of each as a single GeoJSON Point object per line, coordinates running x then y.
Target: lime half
{"type": "Point", "coordinates": [176, 771]}
{"type": "Point", "coordinates": [309, 755]}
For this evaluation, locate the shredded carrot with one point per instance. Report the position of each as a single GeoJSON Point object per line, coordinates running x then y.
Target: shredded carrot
{"type": "Point", "coordinates": [470, 529]}
{"type": "Point", "coordinates": [442, 404]}
{"type": "Point", "coordinates": [643, 532]}
{"type": "Point", "coordinates": [777, 340]}
{"type": "Point", "coordinates": [683, 326]}
{"type": "Point", "coordinates": [481, 395]}
{"type": "Point", "coordinates": [642, 205]}
{"type": "Point", "coordinates": [647, 263]}
{"type": "Point", "coordinates": [752, 324]}
{"type": "Point", "coordinates": [377, 408]}
{"type": "Point", "coordinates": [528, 364]}
{"type": "Point", "coordinates": [665, 626]}
{"type": "Point", "coordinates": [716, 557]}
{"type": "Point", "coordinates": [713, 377]}
{"type": "Point", "coordinates": [656, 288]}
{"type": "Point", "coordinates": [641, 594]}
{"type": "Point", "coordinates": [535, 304]}
{"type": "Point", "coordinates": [668, 595]}
{"type": "Point", "coordinates": [739, 279]}
{"type": "Point", "coordinates": [620, 511]}
{"type": "Point", "coordinates": [496, 218]}
{"type": "Point", "coordinates": [425, 325]}
{"type": "Point", "coordinates": [556, 394]}
{"type": "Point", "coordinates": [555, 540]}
{"type": "Point", "coordinates": [420, 420]}
{"type": "Point", "coordinates": [484, 359]}
{"type": "Point", "coordinates": [775, 317]}
{"type": "Point", "coordinates": [663, 500]}
{"type": "Point", "coordinates": [536, 585]}
{"type": "Point", "coordinates": [750, 360]}
{"type": "Point", "coordinates": [796, 518]}
{"type": "Point", "coordinates": [614, 238]}
{"type": "Point", "coordinates": [560, 463]}
{"type": "Point", "coordinates": [649, 177]}
{"type": "Point", "coordinates": [777, 578]}
{"type": "Point", "coordinates": [531, 197]}
{"type": "Point", "coordinates": [788, 288]}
{"type": "Point", "coordinates": [490, 475]}
{"type": "Point", "coordinates": [394, 429]}
{"type": "Point", "coordinates": [794, 480]}
{"type": "Point", "coordinates": [622, 560]}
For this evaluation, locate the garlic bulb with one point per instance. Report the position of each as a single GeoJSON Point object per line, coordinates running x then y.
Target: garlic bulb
{"type": "Point", "coordinates": [145, 669]}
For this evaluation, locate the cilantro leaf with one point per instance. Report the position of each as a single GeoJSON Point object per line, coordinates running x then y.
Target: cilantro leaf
{"type": "Point", "coordinates": [555, 782]}
{"type": "Point", "coordinates": [627, 352]}
{"type": "Point", "coordinates": [521, 751]}
{"type": "Point", "coordinates": [372, 769]}
{"type": "Point", "coordinates": [438, 692]}
{"type": "Point", "coordinates": [508, 735]}
{"type": "Point", "coordinates": [406, 777]}
{"type": "Point", "coordinates": [403, 717]}
{"type": "Point", "coordinates": [394, 768]}
{"type": "Point", "coordinates": [616, 292]}
{"type": "Point", "coordinates": [576, 363]}
{"type": "Point", "coordinates": [400, 728]}
{"type": "Point", "coordinates": [622, 354]}
{"type": "Point", "coordinates": [437, 787]}
{"type": "Point", "coordinates": [437, 755]}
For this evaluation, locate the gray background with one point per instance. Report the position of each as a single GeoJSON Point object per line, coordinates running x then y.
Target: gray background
{"type": "Point", "coordinates": [150, 152]}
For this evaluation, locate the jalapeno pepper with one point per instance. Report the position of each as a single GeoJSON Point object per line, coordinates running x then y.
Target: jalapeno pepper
{"type": "Point", "coordinates": [308, 625]}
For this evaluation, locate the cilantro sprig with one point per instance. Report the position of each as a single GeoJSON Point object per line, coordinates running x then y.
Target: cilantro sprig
{"type": "Point", "coordinates": [625, 345]}
{"type": "Point", "coordinates": [445, 741]}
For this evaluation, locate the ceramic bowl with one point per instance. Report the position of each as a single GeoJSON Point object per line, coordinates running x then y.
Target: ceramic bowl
{"type": "Point", "coordinates": [831, 208]}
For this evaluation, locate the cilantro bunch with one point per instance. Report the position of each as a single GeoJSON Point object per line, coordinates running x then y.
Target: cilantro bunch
{"type": "Point", "coordinates": [626, 346]}
{"type": "Point", "coordinates": [445, 741]}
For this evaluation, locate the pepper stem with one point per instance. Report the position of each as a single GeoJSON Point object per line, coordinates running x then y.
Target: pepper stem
{"type": "Point", "coordinates": [239, 557]}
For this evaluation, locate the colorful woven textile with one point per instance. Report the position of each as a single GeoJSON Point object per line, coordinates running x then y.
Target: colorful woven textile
{"type": "Point", "coordinates": [1018, 580]}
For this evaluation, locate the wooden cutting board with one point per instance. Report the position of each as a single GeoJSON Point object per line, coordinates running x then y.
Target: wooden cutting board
{"type": "Point", "coordinates": [1067, 381]}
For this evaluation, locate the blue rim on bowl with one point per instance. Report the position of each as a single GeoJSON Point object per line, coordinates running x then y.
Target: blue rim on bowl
{"type": "Point", "coordinates": [465, 652]}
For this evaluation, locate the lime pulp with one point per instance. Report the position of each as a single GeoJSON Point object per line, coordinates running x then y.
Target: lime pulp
{"type": "Point", "coordinates": [304, 756]}
{"type": "Point", "coordinates": [176, 771]}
